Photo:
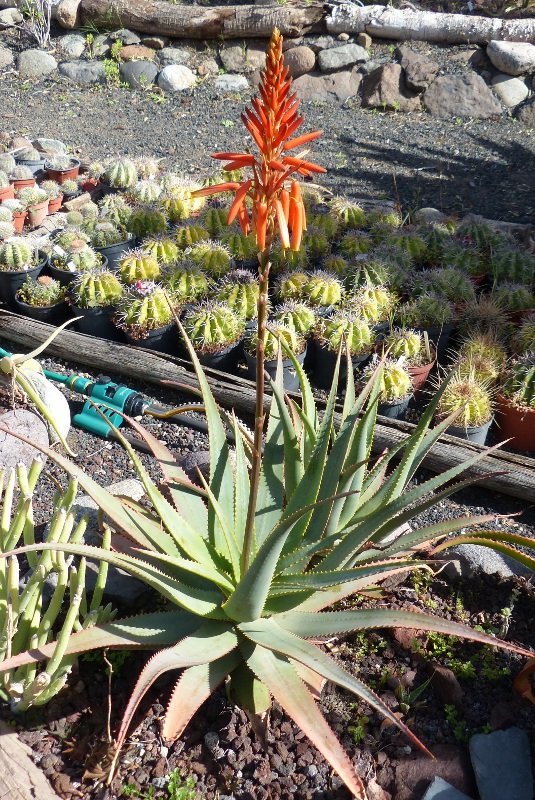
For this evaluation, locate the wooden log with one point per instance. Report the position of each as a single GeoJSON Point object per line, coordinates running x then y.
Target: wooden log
{"type": "Point", "coordinates": [20, 779]}
{"type": "Point", "coordinates": [517, 477]}
{"type": "Point", "coordinates": [198, 22]}
{"type": "Point", "coordinates": [428, 26]}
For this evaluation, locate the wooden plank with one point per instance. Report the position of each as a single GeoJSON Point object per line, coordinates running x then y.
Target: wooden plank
{"type": "Point", "coordinates": [20, 779]}
{"type": "Point", "coordinates": [517, 472]}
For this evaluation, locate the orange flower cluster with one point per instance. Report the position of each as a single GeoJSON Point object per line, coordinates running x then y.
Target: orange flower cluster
{"type": "Point", "coordinates": [272, 119]}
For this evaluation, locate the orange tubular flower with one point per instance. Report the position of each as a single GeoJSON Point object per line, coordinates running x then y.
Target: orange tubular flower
{"type": "Point", "coordinates": [271, 120]}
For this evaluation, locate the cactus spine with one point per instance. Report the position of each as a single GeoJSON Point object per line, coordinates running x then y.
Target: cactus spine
{"type": "Point", "coordinates": [147, 221]}
{"type": "Point", "coordinates": [468, 395]}
{"type": "Point", "coordinates": [519, 384]}
{"type": "Point", "coordinates": [121, 173]}
{"type": "Point", "coordinates": [348, 327]}
{"type": "Point", "coordinates": [298, 316]}
{"type": "Point", "coordinates": [323, 289]}
{"type": "Point", "coordinates": [187, 283]}
{"type": "Point", "coordinates": [189, 235]}
{"type": "Point", "coordinates": [144, 307]}
{"type": "Point", "coordinates": [211, 256]}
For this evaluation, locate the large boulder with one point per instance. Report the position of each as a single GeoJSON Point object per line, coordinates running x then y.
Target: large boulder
{"type": "Point", "coordinates": [419, 70]}
{"type": "Point", "coordinates": [461, 96]}
{"type": "Point", "coordinates": [238, 58]}
{"type": "Point", "coordinates": [385, 88]}
{"type": "Point", "coordinates": [513, 58]}
{"type": "Point", "coordinates": [335, 88]}
{"type": "Point", "coordinates": [337, 58]}
{"type": "Point", "coordinates": [300, 60]}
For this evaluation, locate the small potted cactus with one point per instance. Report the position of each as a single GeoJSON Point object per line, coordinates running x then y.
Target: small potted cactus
{"type": "Point", "coordinates": [291, 286]}
{"type": "Point", "coordinates": [187, 283]}
{"type": "Point", "coordinates": [92, 176]}
{"type": "Point", "coordinates": [214, 220]}
{"type": "Point", "coordinates": [31, 158]}
{"type": "Point", "coordinates": [62, 168]}
{"type": "Point", "coordinates": [524, 338]}
{"type": "Point", "coordinates": [516, 403]}
{"type": "Point", "coordinates": [138, 265]}
{"type": "Point", "coordinates": [120, 174]}
{"type": "Point", "coordinates": [466, 259]}
{"type": "Point", "coordinates": [512, 264]}
{"type": "Point", "coordinates": [239, 289]}
{"type": "Point", "coordinates": [147, 220]}
{"type": "Point", "coordinates": [145, 191]}
{"type": "Point", "coordinates": [188, 235]}
{"type": "Point", "coordinates": [18, 213]}
{"type": "Point", "coordinates": [42, 299]}
{"type": "Point", "coordinates": [65, 265]}
{"type": "Point", "coordinates": [54, 194]}
{"type": "Point", "coordinates": [470, 396]}
{"type": "Point", "coordinates": [145, 315]}
{"type": "Point", "coordinates": [329, 333]}
{"type": "Point", "coordinates": [514, 298]}
{"type": "Point", "coordinates": [163, 248]}
{"type": "Point", "coordinates": [7, 192]}
{"type": "Point", "coordinates": [7, 163]}
{"type": "Point", "coordinates": [431, 314]}
{"type": "Point", "coordinates": [176, 198]}
{"type": "Point", "coordinates": [70, 188]}
{"type": "Point", "coordinates": [21, 176]}
{"type": "Point", "coordinates": [7, 228]}
{"type": "Point", "coordinates": [484, 315]}
{"type": "Point", "coordinates": [350, 214]}
{"type": "Point", "coordinates": [414, 348]}
{"type": "Point", "coordinates": [35, 201]}
{"type": "Point", "coordinates": [211, 256]}
{"type": "Point", "coordinates": [375, 304]}
{"type": "Point", "coordinates": [215, 332]}
{"type": "Point", "coordinates": [323, 289]}
{"type": "Point", "coordinates": [115, 209]}
{"type": "Point", "coordinates": [18, 260]}
{"type": "Point", "coordinates": [355, 244]}
{"type": "Point", "coordinates": [298, 316]}
{"type": "Point", "coordinates": [111, 241]}
{"type": "Point", "coordinates": [482, 354]}
{"type": "Point", "coordinates": [449, 283]}
{"type": "Point", "coordinates": [243, 249]}
{"type": "Point", "coordinates": [93, 297]}
{"type": "Point", "coordinates": [274, 335]}
{"type": "Point", "coordinates": [395, 388]}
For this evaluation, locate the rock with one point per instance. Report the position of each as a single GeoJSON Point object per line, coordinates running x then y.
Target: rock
{"type": "Point", "coordinates": [335, 88]}
{"type": "Point", "coordinates": [138, 74]}
{"type": "Point", "coordinates": [511, 91]}
{"type": "Point", "coordinates": [502, 764]}
{"type": "Point", "coordinates": [125, 36]}
{"type": "Point", "coordinates": [238, 58]}
{"type": "Point", "coordinates": [13, 451]}
{"type": "Point", "coordinates": [208, 67]}
{"type": "Point", "coordinates": [174, 55]}
{"type": "Point", "coordinates": [319, 43]}
{"type": "Point", "coordinates": [442, 790]}
{"type": "Point", "coordinates": [231, 83]}
{"type": "Point", "coordinates": [343, 37]}
{"type": "Point", "coordinates": [413, 774]}
{"type": "Point", "coordinates": [176, 78]}
{"type": "Point", "coordinates": [461, 96]}
{"type": "Point", "coordinates": [101, 46]}
{"type": "Point", "coordinates": [51, 147]}
{"type": "Point", "coordinates": [447, 686]}
{"type": "Point", "coordinates": [35, 64]}
{"type": "Point", "coordinates": [469, 559]}
{"type": "Point", "coordinates": [6, 58]}
{"type": "Point", "coordinates": [513, 58]}
{"type": "Point", "coordinates": [526, 113]}
{"type": "Point", "coordinates": [136, 52]}
{"type": "Point", "coordinates": [341, 57]}
{"type": "Point", "coordinates": [365, 40]}
{"type": "Point", "coordinates": [19, 141]}
{"type": "Point", "coordinates": [83, 71]}
{"type": "Point", "coordinates": [385, 88]}
{"type": "Point", "coordinates": [429, 215]}
{"type": "Point", "coordinates": [300, 60]}
{"type": "Point", "coordinates": [10, 17]}
{"type": "Point", "coordinates": [54, 400]}
{"type": "Point", "coordinates": [419, 70]}
{"type": "Point", "coordinates": [155, 42]}
{"type": "Point", "coordinates": [71, 46]}
{"type": "Point", "coordinates": [68, 13]}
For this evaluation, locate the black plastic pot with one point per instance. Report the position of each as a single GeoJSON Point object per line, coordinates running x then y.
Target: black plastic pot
{"type": "Point", "coordinates": [324, 361]}
{"type": "Point", "coordinates": [290, 380]}
{"type": "Point", "coordinates": [53, 315]}
{"type": "Point", "coordinates": [10, 282]}
{"type": "Point", "coordinates": [65, 277]}
{"type": "Point", "coordinates": [164, 340]}
{"type": "Point", "coordinates": [98, 322]}
{"type": "Point", "coordinates": [394, 410]}
{"type": "Point", "coordinates": [113, 252]}
{"type": "Point", "coordinates": [225, 360]}
{"type": "Point", "coordinates": [36, 167]}
{"type": "Point", "coordinates": [477, 435]}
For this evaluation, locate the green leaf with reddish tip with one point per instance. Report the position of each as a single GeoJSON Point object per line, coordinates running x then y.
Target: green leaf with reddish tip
{"type": "Point", "coordinates": [495, 540]}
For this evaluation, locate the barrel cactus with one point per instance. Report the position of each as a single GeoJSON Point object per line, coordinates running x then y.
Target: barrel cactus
{"type": "Point", "coordinates": [510, 264]}
{"type": "Point", "coordinates": [52, 189]}
{"type": "Point", "coordinates": [413, 244]}
{"type": "Point", "coordinates": [6, 214]}
{"type": "Point", "coordinates": [105, 234]}
{"type": "Point", "coordinates": [29, 154]}
{"type": "Point", "coordinates": [240, 290]}
{"type": "Point", "coordinates": [17, 254]}
{"type": "Point", "coordinates": [7, 230]}
{"type": "Point", "coordinates": [147, 167]}
{"type": "Point", "coordinates": [138, 265]}
{"type": "Point", "coordinates": [96, 289]}
{"type": "Point", "coordinates": [374, 303]}
{"type": "Point", "coordinates": [177, 199]}
{"type": "Point", "coordinates": [463, 258]}
{"type": "Point", "coordinates": [70, 187]}
{"type": "Point", "coordinates": [115, 209]}
{"type": "Point", "coordinates": [395, 382]}
{"type": "Point", "coordinates": [276, 334]}
{"type": "Point", "coordinates": [323, 289]}
{"type": "Point", "coordinates": [524, 339]}
{"type": "Point", "coordinates": [385, 217]}
{"type": "Point", "coordinates": [147, 221]}
{"type": "Point", "coordinates": [404, 343]}
{"type": "Point", "coordinates": [447, 282]}
{"type": "Point", "coordinates": [337, 264]}
{"type": "Point", "coordinates": [291, 285]}
{"type": "Point", "coordinates": [519, 381]}
{"type": "Point", "coordinates": [145, 191]}
{"type": "Point", "coordinates": [288, 260]}
{"type": "Point", "coordinates": [437, 239]}
{"type": "Point", "coordinates": [482, 354]}
{"type": "Point", "coordinates": [485, 315]}
{"type": "Point", "coordinates": [345, 326]}
{"type": "Point", "coordinates": [469, 396]}
{"type": "Point", "coordinates": [296, 315]}
{"type": "Point", "coordinates": [188, 235]}
{"type": "Point", "coordinates": [212, 327]}
{"type": "Point", "coordinates": [211, 256]}
{"type": "Point", "coordinates": [7, 163]}
{"type": "Point", "coordinates": [242, 248]}
{"type": "Point", "coordinates": [144, 306]}
{"type": "Point", "coordinates": [162, 248]}
{"type": "Point", "coordinates": [21, 173]}
{"type": "Point", "coordinates": [215, 221]}
{"type": "Point", "coordinates": [188, 283]}
{"type": "Point", "coordinates": [481, 236]}
{"type": "Point", "coordinates": [121, 173]}
{"type": "Point", "coordinates": [514, 297]}
{"type": "Point", "coordinates": [317, 244]}
{"type": "Point", "coordinates": [426, 311]}
{"type": "Point", "coordinates": [77, 259]}
{"type": "Point", "coordinates": [350, 214]}
{"type": "Point", "coordinates": [369, 272]}
{"type": "Point", "coordinates": [327, 224]}
{"type": "Point", "coordinates": [355, 244]}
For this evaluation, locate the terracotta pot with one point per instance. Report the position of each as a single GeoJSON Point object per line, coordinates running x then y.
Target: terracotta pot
{"type": "Point", "coordinates": [420, 374]}
{"type": "Point", "coordinates": [89, 184]}
{"type": "Point", "coordinates": [7, 193]}
{"type": "Point", "coordinates": [19, 218]}
{"type": "Point", "coordinates": [55, 204]}
{"type": "Point", "coordinates": [23, 183]}
{"type": "Point", "coordinates": [516, 423]}
{"type": "Point", "coordinates": [62, 175]}
{"type": "Point", "coordinates": [36, 214]}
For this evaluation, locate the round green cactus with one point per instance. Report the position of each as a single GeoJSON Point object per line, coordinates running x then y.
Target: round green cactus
{"type": "Point", "coordinates": [514, 297]}
{"type": "Point", "coordinates": [181, 188]}
{"type": "Point", "coordinates": [274, 335]}
{"type": "Point", "coordinates": [145, 191]}
{"type": "Point", "coordinates": [291, 285]}
{"type": "Point", "coordinates": [7, 163]}
{"type": "Point", "coordinates": [337, 264]}
{"type": "Point", "coordinates": [41, 293]}
{"type": "Point", "coordinates": [6, 215]}
{"type": "Point", "coordinates": [77, 259]}
{"type": "Point", "coordinates": [188, 235]}
{"type": "Point", "coordinates": [350, 214]}
{"type": "Point", "coordinates": [29, 154]}
{"type": "Point", "coordinates": [317, 244]}
{"type": "Point", "coordinates": [485, 347]}
{"type": "Point", "coordinates": [288, 260]}
{"type": "Point", "coordinates": [388, 218]}
{"type": "Point", "coordinates": [144, 307]}
{"type": "Point", "coordinates": [71, 239]}
{"type": "Point", "coordinates": [395, 382]}
{"type": "Point", "coordinates": [16, 255]}
{"type": "Point", "coordinates": [70, 187]}
{"type": "Point", "coordinates": [121, 173]}
{"type": "Point", "coordinates": [323, 289]}
{"type": "Point", "coordinates": [96, 289]}
{"type": "Point", "coordinates": [211, 327]}
{"type": "Point", "coordinates": [327, 224]}
{"type": "Point", "coordinates": [105, 234]}
{"type": "Point", "coordinates": [412, 243]}
{"type": "Point", "coordinates": [519, 381]}
{"type": "Point", "coordinates": [240, 290]}
{"type": "Point", "coordinates": [215, 221]}
{"type": "Point", "coordinates": [138, 265]}
{"type": "Point", "coordinates": [355, 244]}
{"type": "Point", "coordinates": [348, 327]}
{"type": "Point", "coordinates": [242, 248]}
{"type": "Point", "coordinates": [147, 221]}
{"type": "Point", "coordinates": [115, 209]}
{"type": "Point", "coordinates": [188, 283]}
{"type": "Point", "coordinates": [470, 397]}
{"type": "Point", "coordinates": [481, 236]}
{"type": "Point", "coordinates": [374, 303]}
{"type": "Point", "coordinates": [211, 256]}
{"type": "Point", "coordinates": [404, 343]}
{"type": "Point", "coordinates": [483, 315]}
{"type": "Point", "coordinates": [295, 315]}
{"type": "Point", "coordinates": [369, 272]}
{"type": "Point", "coordinates": [524, 339]}
{"type": "Point", "coordinates": [21, 173]}
{"type": "Point", "coordinates": [4, 180]}
{"type": "Point", "coordinates": [465, 259]}
{"type": "Point", "coordinates": [447, 282]}
{"type": "Point", "coordinates": [178, 205]}
{"type": "Point", "coordinates": [7, 230]}
{"type": "Point", "coordinates": [162, 248]}
{"type": "Point", "coordinates": [510, 264]}
{"type": "Point", "coordinates": [426, 311]}
{"type": "Point", "coordinates": [437, 238]}
{"type": "Point", "coordinates": [147, 167]}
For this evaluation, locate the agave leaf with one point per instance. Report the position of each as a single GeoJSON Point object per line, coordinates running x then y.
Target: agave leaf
{"type": "Point", "coordinates": [248, 692]}
{"type": "Point", "coordinates": [241, 486]}
{"type": "Point", "coordinates": [329, 623]}
{"type": "Point", "coordinates": [144, 631]}
{"type": "Point", "coordinates": [228, 533]}
{"type": "Point", "coordinates": [349, 397]}
{"type": "Point", "coordinates": [194, 686]}
{"type": "Point", "coordinates": [284, 683]}
{"type": "Point", "coordinates": [318, 581]}
{"type": "Point", "coordinates": [270, 496]}
{"type": "Point", "coordinates": [308, 436]}
{"type": "Point", "coordinates": [293, 466]}
{"type": "Point", "coordinates": [488, 539]}
{"type": "Point", "coordinates": [308, 403]}
{"type": "Point", "coordinates": [268, 634]}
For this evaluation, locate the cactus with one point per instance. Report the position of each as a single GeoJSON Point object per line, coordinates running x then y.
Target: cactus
{"type": "Point", "coordinates": [463, 258]}
{"type": "Point", "coordinates": [405, 343]}
{"type": "Point", "coordinates": [16, 255]}
{"type": "Point", "coordinates": [291, 285]}
{"type": "Point", "coordinates": [316, 243]}
{"type": "Point", "coordinates": [447, 282]}
{"type": "Point", "coordinates": [370, 272]}
{"type": "Point", "coordinates": [4, 180]}
{"type": "Point", "coordinates": [295, 315]}
{"type": "Point", "coordinates": [70, 187]}
{"type": "Point", "coordinates": [240, 290]}
{"type": "Point", "coordinates": [6, 214]}
{"type": "Point", "coordinates": [52, 189]}
{"type": "Point", "coordinates": [12, 205]}
{"type": "Point", "coordinates": [31, 196]}
{"type": "Point", "coordinates": [426, 311]}
{"type": "Point", "coordinates": [374, 303]}
{"type": "Point", "coordinates": [187, 283]}
{"type": "Point", "coordinates": [144, 307]}
{"type": "Point", "coordinates": [437, 238]}
{"type": "Point", "coordinates": [355, 244]}
{"type": "Point", "coordinates": [470, 396]}
{"type": "Point", "coordinates": [106, 234]}
{"type": "Point", "coordinates": [513, 265]}
{"type": "Point", "coordinates": [312, 196]}
{"type": "Point", "coordinates": [89, 211]}
{"type": "Point", "coordinates": [347, 326]}
{"type": "Point", "coordinates": [288, 260]}
{"type": "Point", "coordinates": [60, 163]}
{"type": "Point", "coordinates": [20, 173]}
{"type": "Point", "coordinates": [41, 293]}
{"type": "Point", "coordinates": [177, 198]}
{"type": "Point", "coordinates": [350, 214]}
{"type": "Point", "coordinates": [162, 248]}
{"type": "Point", "coordinates": [412, 243]}
{"type": "Point", "coordinates": [7, 163]}
{"type": "Point", "coordinates": [147, 221]}
{"type": "Point", "coordinates": [29, 154]}
{"type": "Point", "coordinates": [212, 327]}
{"type": "Point", "coordinates": [384, 218]}
{"type": "Point", "coordinates": [395, 382]}
{"type": "Point", "coordinates": [96, 170]}
{"type": "Point", "coordinates": [211, 256]}
{"type": "Point", "coordinates": [145, 191]}
{"type": "Point", "coordinates": [74, 219]}
{"type": "Point", "coordinates": [81, 259]}
{"type": "Point", "coordinates": [188, 235]}
{"type": "Point", "coordinates": [274, 335]}
{"type": "Point", "coordinates": [524, 339]}
{"type": "Point", "coordinates": [96, 289]}
{"type": "Point", "coordinates": [513, 297]}
{"type": "Point", "coordinates": [71, 239]}
{"type": "Point", "coordinates": [138, 265]}
{"type": "Point", "coordinates": [147, 167]}
{"type": "Point", "coordinates": [481, 236]}
{"type": "Point", "coordinates": [337, 264]}
{"type": "Point", "coordinates": [323, 289]}
{"type": "Point", "coordinates": [484, 353]}
{"type": "Point", "coordinates": [241, 247]}
{"type": "Point", "coordinates": [121, 173]}
{"type": "Point", "coordinates": [483, 315]}
{"type": "Point", "coordinates": [519, 381]}
{"type": "Point", "coordinates": [325, 223]}
{"type": "Point", "coordinates": [215, 221]}
{"type": "Point", "coordinates": [7, 229]}
{"type": "Point", "coordinates": [115, 209]}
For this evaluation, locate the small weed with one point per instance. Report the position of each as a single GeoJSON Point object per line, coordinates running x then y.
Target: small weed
{"type": "Point", "coordinates": [116, 48]}
{"type": "Point", "coordinates": [111, 72]}
{"type": "Point", "coordinates": [410, 698]}
{"type": "Point", "coordinates": [178, 788]}
{"type": "Point", "coordinates": [420, 580]}
{"type": "Point", "coordinates": [357, 731]}
{"type": "Point", "coordinates": [340, 160]}
{"type": "Point", "coordinates": [227, 123]}
{"type": "Point", "coordinates": [458, 726]}
{"type": "Point", "coordinates": [89, 41]}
